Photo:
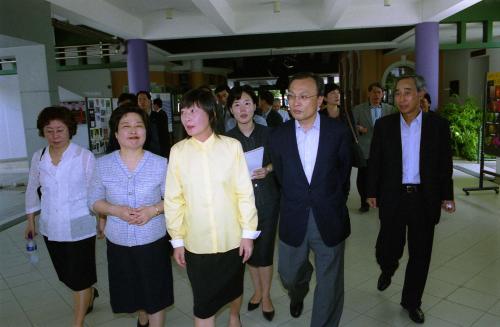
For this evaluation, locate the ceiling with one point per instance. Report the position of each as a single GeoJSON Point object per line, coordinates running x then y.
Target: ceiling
{"type": "Point", "coordinates": [181, 30]}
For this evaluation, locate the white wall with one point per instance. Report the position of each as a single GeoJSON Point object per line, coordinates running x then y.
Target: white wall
{"type": "Point", "coordinates": [494, 55]}
{"type": "Point", "coordinates": [11, 119]}
{"type": "Point", "coordinates": [478, 68]}
{"type": "Point", "coordinates": [455, 67]}
{"type": "Point", "coordinates": [91, 83]}
{"type": "Point", "coordinates": [86, 83]}
{"type": "Point", "coordinates": [31, 43]}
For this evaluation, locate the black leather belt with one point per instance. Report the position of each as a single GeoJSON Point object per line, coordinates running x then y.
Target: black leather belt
{"type": "Point", "coordinates": [410, 188]}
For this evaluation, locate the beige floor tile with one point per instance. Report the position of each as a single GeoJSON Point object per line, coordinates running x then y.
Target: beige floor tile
{"type": "Point", "coordinates": [486, 285]}
{"type": "Point", "coordinates": [9, 309]}
{"type": "Point", "coordinates": [390, 313]}
{"type": "Point", "coordinates": [433, 322]}
{"type": "Point", "coordinates": [360, 301]}
{"type": "Point", "coordinates": [451, 275]}
{"type": "Point", "coordinates": [495, 309]}
{"type": "Point", "coordinates": [364, 321]}
{"type": "Point", "coordinates": [473, 299]}
{"type": "Point", "coordinates": [439, 288]}
{"type": "Point", "coordinates": [16, 321]}
{"type": "Point", "coordinates": [455, 313]}
{"type": "Point", "coordinates": [487, 321]}
{"type": "Point", "coordinates": [428, 301]}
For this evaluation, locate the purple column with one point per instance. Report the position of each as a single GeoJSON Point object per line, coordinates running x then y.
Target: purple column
{"type": "Point", "coordinates": [427, 57]}
{"type": "Point", "coordinates": [137, 66]}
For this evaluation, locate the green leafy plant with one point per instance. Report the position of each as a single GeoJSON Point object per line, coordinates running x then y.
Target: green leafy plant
{"type": "Point", "coordinates": [465, 124]}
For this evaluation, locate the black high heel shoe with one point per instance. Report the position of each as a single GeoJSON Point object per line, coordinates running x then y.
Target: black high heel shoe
{"type": "Point", "coordinates": [252, 306]}
{"type": "Point", "coordinates": [95, 295]}
{"type": "Point", "coordinates": [269, 315]}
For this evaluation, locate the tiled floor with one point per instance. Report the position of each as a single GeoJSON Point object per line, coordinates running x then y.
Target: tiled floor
{"type": "Point", "coordinates": [463, 288]}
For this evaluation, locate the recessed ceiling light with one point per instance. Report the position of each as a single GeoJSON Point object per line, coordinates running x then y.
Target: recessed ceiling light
{"type": "Point", "coordinates": [169, 13]}
{"type": "Point", "coordinates": [276, 6]}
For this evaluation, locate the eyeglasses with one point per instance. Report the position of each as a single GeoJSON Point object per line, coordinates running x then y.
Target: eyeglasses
{"type": "Point", "coordinates": [302, 97]}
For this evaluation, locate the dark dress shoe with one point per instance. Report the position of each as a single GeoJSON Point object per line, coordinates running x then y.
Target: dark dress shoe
{"type": "Point", "coordinates": [95, 294]}
{"type": "Point", "coordinates": [141, 325]}
{"type": "Point", "coordinates": [252, 306]}
{"type": "Point", "coordinates": [269, 315]}
{"type": "Point", "coordinates": [383, 281]}
{"type": "Point", "coordinates": [363, 209]}
{"type": "Point", "coordinates": [417, 315]}
{"type": "Point", "coordinates": [296, 308]}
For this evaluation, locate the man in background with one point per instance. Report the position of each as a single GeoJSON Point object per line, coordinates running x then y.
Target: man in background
{"type": "Point", "coordinates": [222, 113]}
{"type": "Point", "coordinates": [160, 118]}
{"type": "Point", "coordinates": [157, 140]}
{"type": "Point", "coordinates": [365, 115]}
{"type": "Point", "coordinates": [283, 113]}
{"type": "Point", "coordinates": [266, 100]}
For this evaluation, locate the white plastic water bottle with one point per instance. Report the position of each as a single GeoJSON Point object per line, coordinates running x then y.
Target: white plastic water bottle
{"type": "Point", "coordinates": [31, 248]}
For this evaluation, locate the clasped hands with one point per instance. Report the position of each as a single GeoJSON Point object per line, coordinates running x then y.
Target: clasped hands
{"type": "Point", "coordinates": [136, 216]}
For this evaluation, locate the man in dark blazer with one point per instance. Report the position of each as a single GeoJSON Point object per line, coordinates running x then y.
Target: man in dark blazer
{"type": "Point", "coordinates": [311, 158]}
{"type": "Point", "coordinates": [410, 180]}
{"type": "Point", "coordinates": [266, 99]}
{"type": "Point", "coordinates": [365, 115]}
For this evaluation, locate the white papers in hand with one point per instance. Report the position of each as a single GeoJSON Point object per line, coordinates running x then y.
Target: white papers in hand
{"type": "Point", "coordinates": [254, 159]}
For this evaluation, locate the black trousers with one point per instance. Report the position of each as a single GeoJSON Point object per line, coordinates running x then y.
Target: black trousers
{"type": "Point", "coordinates": [408, 222]}
{"type": "Point", "coordinates": [361, 184]}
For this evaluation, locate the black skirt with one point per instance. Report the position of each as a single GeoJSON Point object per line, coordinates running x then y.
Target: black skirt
{"type": "Point", "coordinates": [74, 262]}
{"type": "Point", "coordinates": [216, 280]}
{"type": "Point", "coordinates": [140, 277]}
{"type": "Point", "coordinates": [263, 252]}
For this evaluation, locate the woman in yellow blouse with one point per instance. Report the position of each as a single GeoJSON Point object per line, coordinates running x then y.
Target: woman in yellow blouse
{"type": "Point", "coordinates": [210, 210]}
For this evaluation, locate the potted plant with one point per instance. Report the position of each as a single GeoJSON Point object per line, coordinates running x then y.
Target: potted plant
{"type": "Point", "coordinates": [465, 125]}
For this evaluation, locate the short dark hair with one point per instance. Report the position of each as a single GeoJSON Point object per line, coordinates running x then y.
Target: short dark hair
{"type": "Point", "coordinates": [419, 81]}
{"type": "Point", "coordinates": [144, 92]}
{"type": "Point", "coordinates": [320, 85]}
{"type": "Point", "coordinates": [428, 97]}
{"type": "Point", "coordinates": [267, 96]}
{"type": "Point", "coordinates": [205, 100]}
{"type": "Point", "coordinates": [222, 87]}
{"type": "Point", "coordinates": [158, 102]}
{"type": "Point", "coordinates": [60, 113]}
{"type": "Point", "coordinates": [127, 98]}
{"type": "Point", "coordinates": [331, 87]}
{"type": "Point", "coordinates": [375, 84]}
{"type": "Point", "coordinates": [236, 93]}
{"type": "Point", "coordinates": [121, 111]}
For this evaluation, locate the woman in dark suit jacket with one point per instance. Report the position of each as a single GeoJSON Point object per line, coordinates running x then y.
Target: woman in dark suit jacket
{"type": "Point", "coordinates": [252, 136]}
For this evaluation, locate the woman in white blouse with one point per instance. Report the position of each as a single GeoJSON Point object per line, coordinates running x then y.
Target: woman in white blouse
{"type": "Point", "coordinates": [127, 187]}
{"type": "Point", "coordinates": [62, 172]}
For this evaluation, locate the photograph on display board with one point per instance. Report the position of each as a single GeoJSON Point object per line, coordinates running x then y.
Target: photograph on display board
{"type": "Point", "coordinates": [77, 108]}
{"type": "Point", "coordinates": [99, 112]}
{"type": "Point", "coordinates": [492, 117]}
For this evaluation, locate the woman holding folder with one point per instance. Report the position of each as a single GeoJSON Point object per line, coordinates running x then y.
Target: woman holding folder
{"type": "Point", "coordinates": [253, 137]}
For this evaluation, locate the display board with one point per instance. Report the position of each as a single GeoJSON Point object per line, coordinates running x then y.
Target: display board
{"type": "Point", "coordinates": [98, 114]}
{"type": "Point", "coordinates": [492, 115]}
{"type": "Point", "coordinates": [490, 130]}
